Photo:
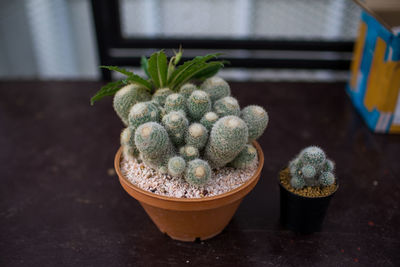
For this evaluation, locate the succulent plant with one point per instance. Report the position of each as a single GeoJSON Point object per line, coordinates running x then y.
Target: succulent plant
{"type": "Point", "coordinates": [257, 120]}
{"type": "Point", "coordinates": [175, 102]}
{"type": "Point", "coordinates": [189, 152]}
{"type": "Point", "coordinates": [209, 119]}
{"type": "Point", "coordinates": [176, 166]}
{"type": "Point", "coordinates": [311, 168]}
{"type": "Point", "coordinates": [187, 89]}
{"type": "Point", "coordinates": [196, 136]}
{"type": "Point", "coordinates": [227, 106]}
{"type": "Point", "coordinates": [198, 104]}
{"type": "Point", "coordinates": [216, 87]}
{"type": "Point", "coordinates": [125, 98]}
{"type": "Point", "coordinates": [176, 128]}
{"type": "Point", "coordinates": [227, 139]}
{"type": "Point", "coordinates": [246, 158]}
{"type": "Point", "coordinates": [198, 172]}
{"type": "Point", "coordinates": [176, 125]}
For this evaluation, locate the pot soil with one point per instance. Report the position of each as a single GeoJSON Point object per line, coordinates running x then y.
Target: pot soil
{"type": "Point", "coordinates": [303, 210]}
{"type": "Point", "coordinates": [187, 219]}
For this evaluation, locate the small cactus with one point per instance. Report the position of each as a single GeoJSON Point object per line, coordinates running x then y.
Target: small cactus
{"type": "Point", "coordinates": [227, 139]}
{"type": "Point", "coordinates": [130, 150]}
{"type": "Point", "coordinates": [311, 168]}
{"type": "Point", "coordinates": [187, 89]}
{"type": "Point", "coordinates": [143, 112]}
{"type": "Point", "coordinates": [161, 95]}
{"type": "Point", "coordinates": [126, 97]}
{"type": "Point", "coordinates": [257, 120]}
{"type": "Point", "coordinates": [227, 106]}
{"type": "Point", "coordinates": [216, 87]}
{"type": "Point", "coordinates": [176, 125]}
{"type": "Point", "coordinates": [198, 104]}
{"type": "Point", "coordinates": [189, 152]}
{"type": "Point", "coordinates": [176, 166]}
{"type": "Point", "coordinates": [175, 102]}
{"type": "Point", "coordinates": [209, 119]}
{"type": "Point", "coordinates": [246, 158]}
{"type": "Point", "coordinates": [153, 142]}
{"type": "Point", "coordinates": [198, 172]}
{"type": "Point", "coordinates": [196, 135]}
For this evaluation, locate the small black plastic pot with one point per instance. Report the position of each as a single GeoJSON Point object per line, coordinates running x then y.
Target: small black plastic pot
{"type": "Point", "coordinates": [302, 214]}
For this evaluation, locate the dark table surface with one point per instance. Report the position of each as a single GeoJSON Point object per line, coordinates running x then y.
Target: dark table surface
{"type": "Point", "coordinates": [62, 205]}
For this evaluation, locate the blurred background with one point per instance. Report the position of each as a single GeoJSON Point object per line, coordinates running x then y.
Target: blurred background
{"type": "Point", "coordinates": [265, 39]}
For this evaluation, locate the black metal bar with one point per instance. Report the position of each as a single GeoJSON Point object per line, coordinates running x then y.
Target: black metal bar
{"type": "Point", "coordinates": [338, 64]}
{"type": "Point", "coordinates": [246, 44]}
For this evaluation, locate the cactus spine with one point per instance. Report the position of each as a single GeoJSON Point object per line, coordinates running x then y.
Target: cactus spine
{"type": "Point", "coordinates": [129, 148]}
{"type": "Point", "coordinates": [216, 87]}
{"type": "Point", "coordinates": [227, 139]}
{"type": "Point", "coordinates": [175, 102]}
{"type": "Point", "coordinates": [257, 120]}
{"type": "Point", "coordinates": [161, 95]}
{"type": "Point", "coordinates": [126, 97]}
{"type": "Point", "coordinates": [198, 104]}
{"type": "Point", "coordinates": [189, 152]}
{"type": "Point", "coordinates": [311, 168]}
{"type": "Point", "coordinates": [198, 172]}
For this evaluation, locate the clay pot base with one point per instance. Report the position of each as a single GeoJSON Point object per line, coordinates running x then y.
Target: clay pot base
{"type": "Point", "coordinates": [312, 192]}
{"type": "Point", "coordinates": [188, 219]}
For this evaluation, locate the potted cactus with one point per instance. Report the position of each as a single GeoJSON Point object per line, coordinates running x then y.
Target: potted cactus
{"type": "Point", "coordinates": [188, 152]}
{"type": "Point", "coordinates": [306, 188]}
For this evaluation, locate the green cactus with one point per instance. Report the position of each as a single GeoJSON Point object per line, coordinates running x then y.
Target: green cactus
{"type": "Point", "coordinates": [187, 89]}
{"type": "Point", "coordinates": [175, 102]}
{"type": "Point", "coordinates": [196, 135]}
{"type": "Point", "coordinates": [227, 106]}
{"type": "Point", "coordinates": [216, 87]}
{"type": "Point", "coordinates": [129, 148]}
{"type": "Point", "coordinates": [256, 119]}
{"type": "Point", "coordinates": [154, 145]}
{"type": "Point", "coordinates": [198, 172]}
{"type": "Point", "coordinates": [311, 168]}
{"type": "Point", "coordinates": [227, 139]}
{"type": "Point", "coordinates": [209, 119]}
{"type": "Point", "coordinates": [189, 152]}
{"type": "Point", "coordinates": [176, 166]}
{"type": "Point", "coordinates": [326, 178]}
{"type": "Point", "coordinates": [161, 95]}
{"type": "Point", "coordinates": [198, 104]}
{"type": "Point", "coordinates": [126, 97]}
{"type": "Point", "coordinates": [176, 125]}
{"type": "Point", "coordinates": [143, 112]}
{"type": "Point", "coordinates": [246, 158]}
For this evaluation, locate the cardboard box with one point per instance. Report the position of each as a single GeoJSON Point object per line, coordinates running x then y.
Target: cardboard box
{"type": "Point", "coordinates": [375, 71]}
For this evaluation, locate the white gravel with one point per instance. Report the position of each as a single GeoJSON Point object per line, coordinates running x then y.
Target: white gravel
{"type": "Point", "coordinates": [222, 180]}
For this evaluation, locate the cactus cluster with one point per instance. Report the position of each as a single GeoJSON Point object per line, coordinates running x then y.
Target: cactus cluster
{"type": "Point", "coordinates": [311, 168]}
{"type": "Point", "coordinates": [188, 132]}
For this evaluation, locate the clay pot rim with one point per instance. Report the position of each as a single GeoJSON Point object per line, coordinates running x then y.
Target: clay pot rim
{"type": "Point", "coordinates": [203, 200]}
{"type": "Point", "coordinates": [300, 196]}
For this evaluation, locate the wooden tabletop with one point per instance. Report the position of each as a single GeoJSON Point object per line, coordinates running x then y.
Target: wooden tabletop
{"type": "Point", "coordinates": [62, 205]}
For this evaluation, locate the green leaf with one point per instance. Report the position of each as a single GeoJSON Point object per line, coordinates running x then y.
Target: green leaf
{"type": "Point", "coordinates": [188, 64]}
{"type": "Point", "coordinates": [136, 79]}
{"type": "Point", "coordinates": [211, 71]}
{"type": "Point", "coordinates": [108, 89]}
{"type": "Point", "coordinates": [195, 70]}
{"type": "Point", "coordinates": [144, 65]}
{"type": "Point", "coordinates": [117, 69]}
{"type": "Point", "coordinates": [158, 69]}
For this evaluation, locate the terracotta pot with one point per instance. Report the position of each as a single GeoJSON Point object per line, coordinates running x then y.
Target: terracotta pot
{"type": "Point", "coordinates": [187, 219]}
{"type": "Point", "coordinates": [301, 214]}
